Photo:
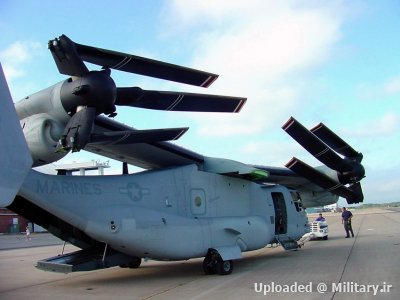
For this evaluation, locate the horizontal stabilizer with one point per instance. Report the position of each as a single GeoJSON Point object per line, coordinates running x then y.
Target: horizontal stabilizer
{"type": "Point", "coordinates": [137, 136]}
{"type": "Point", "coordinates": [15, 158]}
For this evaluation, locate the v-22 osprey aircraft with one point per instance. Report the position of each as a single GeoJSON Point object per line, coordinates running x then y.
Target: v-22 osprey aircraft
{"type": "Point", "coordinates": [183, 205]}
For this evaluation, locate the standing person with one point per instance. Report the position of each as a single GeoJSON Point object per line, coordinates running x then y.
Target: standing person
{"type": "Point", "coordinates": [28, 233]}
{"type": "Point", "coordinates": [346, 221]}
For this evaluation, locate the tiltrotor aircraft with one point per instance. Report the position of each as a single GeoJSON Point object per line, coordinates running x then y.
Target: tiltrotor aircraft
{"type": "Point", "coordinates": [184, 205]}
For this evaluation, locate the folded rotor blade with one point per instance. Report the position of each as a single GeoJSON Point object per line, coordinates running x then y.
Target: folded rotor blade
{"type": "Point", "coordinates": [315, 146]}
{"type": "Point", "coordinates": [335, 142]}
{"type": "Point", "coordinates": [328, 184]}
{"type": "Point", "coordinates": [137, 136]}
{"type": "Point", "coordinates": [66, 57]}
{"type": "Point", "coordinates": [144, 66]}
{"type": "Point", "coordinates": [356, 187]}
{"type": "Point", "coordinates": [69, 57]}
{"type": "Point", "coordinates": [177, 101]}
{"type": "Point", "coordinates": [77, 131]}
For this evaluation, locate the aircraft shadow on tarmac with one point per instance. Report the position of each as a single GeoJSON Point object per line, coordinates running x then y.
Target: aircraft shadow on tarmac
{"type": "Point", "coordinates": [272, 259]}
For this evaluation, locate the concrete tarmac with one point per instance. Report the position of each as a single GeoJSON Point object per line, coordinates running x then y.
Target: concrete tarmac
{"type": "Point", "coordinates": [364, 267]}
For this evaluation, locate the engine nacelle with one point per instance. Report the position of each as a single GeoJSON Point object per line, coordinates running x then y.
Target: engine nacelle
{"type": "Point", "coordinates": [42, 134]}
{"type": "Point", "coordinates": [316, 199]}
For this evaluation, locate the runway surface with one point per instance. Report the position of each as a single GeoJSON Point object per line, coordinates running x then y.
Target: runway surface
{"type": "Point", "coordinates": [354, 268]}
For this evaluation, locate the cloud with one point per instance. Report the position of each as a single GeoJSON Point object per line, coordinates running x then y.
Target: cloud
{"type": "Point", "coordinates": [378, 91]}
{"type": "Point", "coordinates": [16, 55]}
{"type": "Point", "coordinates": [274, 152]}
{"type": "Point", "coordinates": [392, 86]}
{"type": "Point", "coordinates": [385, 126]}
{"type": "Point", "coordinates": [262, 50]}
{"type": "Point", "coordinates": [383, 186]}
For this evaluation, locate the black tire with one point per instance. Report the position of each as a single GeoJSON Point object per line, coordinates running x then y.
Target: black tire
{"type": "Point", "coordinates": [325, 237]}
{"type": "Point", "coordinates": [224, 267]}
{"type": "Point", "coordinates": [135, 263]}
{"type": "Point", "coordinates": [208, 267]}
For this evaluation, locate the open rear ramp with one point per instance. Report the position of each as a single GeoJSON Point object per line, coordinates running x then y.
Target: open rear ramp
{"type": "Point", "coordinates": [87, 260]}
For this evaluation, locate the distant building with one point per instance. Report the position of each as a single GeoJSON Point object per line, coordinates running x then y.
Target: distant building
{"type": "Point", "coordinates": [68, 169]}
{"type": "Point", "coordinates": [10, 222]}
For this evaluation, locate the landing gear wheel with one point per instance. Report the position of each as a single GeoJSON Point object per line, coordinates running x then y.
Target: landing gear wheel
{"type": "Point", "coordinates": [135, 263]}
{"type": "Point", "coordinates": [224, 267]}
{"type": "Point", "coordinates": [208, 266]}
{"type": "Point", "coordinates": [213, 263]}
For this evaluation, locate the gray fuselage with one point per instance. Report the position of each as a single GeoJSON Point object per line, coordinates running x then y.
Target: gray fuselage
{"type": "Point", "coordinates": [169, 214]}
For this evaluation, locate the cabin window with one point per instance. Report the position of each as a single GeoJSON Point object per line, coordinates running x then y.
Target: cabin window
{"type": "Point", "coordinates": [198, 201]}
{"type": "Point", "coordinates": [296, 200]}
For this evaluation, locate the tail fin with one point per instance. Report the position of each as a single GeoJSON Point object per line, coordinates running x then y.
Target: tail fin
{"type": "Point", "coordinates": [15, 158]}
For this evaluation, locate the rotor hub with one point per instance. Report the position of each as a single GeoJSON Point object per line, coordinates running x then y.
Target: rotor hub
{"type": "Point", "coordinates": [355, 174]}
{"type": "Point", "coordinates": [95, 89]}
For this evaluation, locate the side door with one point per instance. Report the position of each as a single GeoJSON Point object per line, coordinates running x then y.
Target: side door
{"type": "Point", "coordinates": [280, 212]}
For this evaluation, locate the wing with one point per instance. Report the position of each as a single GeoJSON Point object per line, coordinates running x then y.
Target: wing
{"type": "Point", "coordinates": [283, 176]}
{"type": "Point", "coordinates": [155, 155]}
{"type": "Point", "coordinates": [148, 154]}
{"type": "Point", "coordinates": [317, 186]}
{"type": "Point", "coordinates": [144, 149]}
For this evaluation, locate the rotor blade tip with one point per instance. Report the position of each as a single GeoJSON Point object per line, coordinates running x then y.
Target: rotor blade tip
{"type": "Point", "coordinates": [242, 102]}
{"type": "Point", "coordinates": [291, 163]}
{"type": "Point", "coordinates": [317, 127]}
{"type": "Point", "coordinates": [210, 80]}
{"type": "Point", "coordinates": [288, 123]}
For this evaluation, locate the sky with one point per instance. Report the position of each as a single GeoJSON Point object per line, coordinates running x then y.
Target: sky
{"type": "Point", "coordinates": [335, 62]}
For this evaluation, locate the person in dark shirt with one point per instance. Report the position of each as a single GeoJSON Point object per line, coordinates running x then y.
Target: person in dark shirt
{"type": "Point", "coordinates": [320, 218]}
{"type": "Point", "coordinates": [346, 221]}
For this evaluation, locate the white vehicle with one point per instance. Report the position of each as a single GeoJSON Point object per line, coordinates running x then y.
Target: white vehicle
{"type": "Point", "coordinates": [319, 229]}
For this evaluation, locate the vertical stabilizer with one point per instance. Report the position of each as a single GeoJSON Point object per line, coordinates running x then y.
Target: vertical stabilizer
{"type": "Point", "coordinates": [15, 158]}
